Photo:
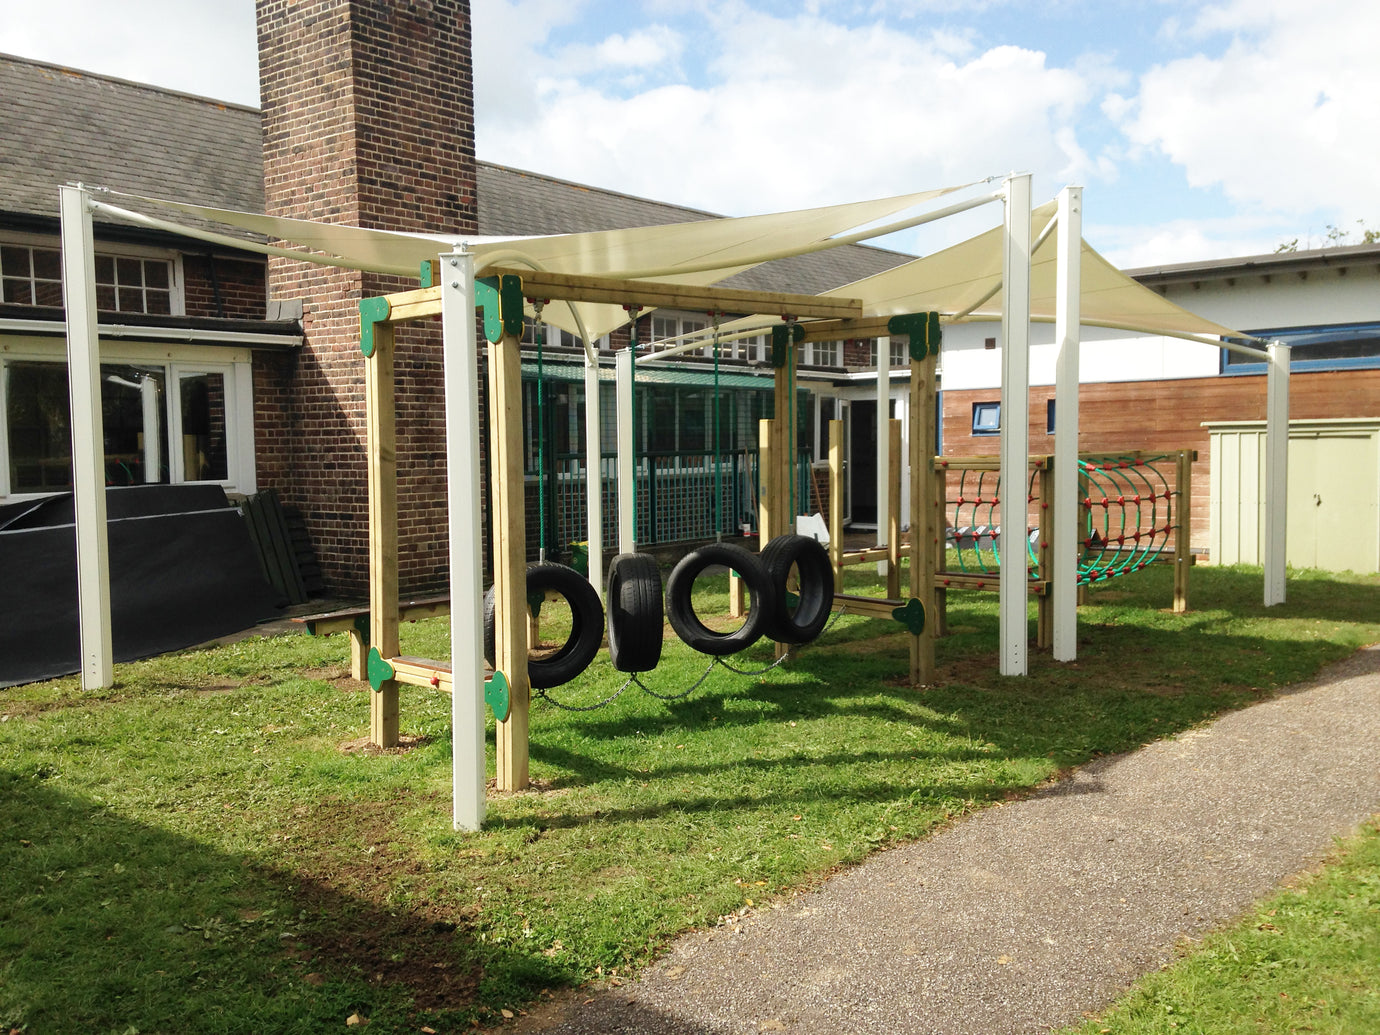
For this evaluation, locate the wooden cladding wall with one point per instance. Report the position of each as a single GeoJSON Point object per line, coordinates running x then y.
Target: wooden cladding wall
{"type": "Point", "coordinates": [1155, 416]}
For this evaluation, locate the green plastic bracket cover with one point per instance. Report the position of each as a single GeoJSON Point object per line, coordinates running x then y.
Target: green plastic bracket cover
{"type": "Point", "coordinates": [361, 625]}
{"type": "Point", "coordinates": [923, 329]}
{"type": "Point", "coordinates": [502, 301]}
{"type": "Point", "coordinates": [781, 336]}
{"type": "Point", "coordinates": [498, 696]}
{"type": "Point", "coordinates": [378, 670]}
{"type": "Point", "coordinates": [371, 311]}
{"type": "Point", "coordinates": [535, 599]}
{"type": "Point", "coordinates": [431, 270]}
{"type": "Point", "coordinates": [911, 614]}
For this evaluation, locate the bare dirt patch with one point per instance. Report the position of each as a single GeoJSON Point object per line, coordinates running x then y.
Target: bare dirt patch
{"type": "Point", "coordinates": [424, 950]}
{"type": "Point", "coordinates": [362, 746]}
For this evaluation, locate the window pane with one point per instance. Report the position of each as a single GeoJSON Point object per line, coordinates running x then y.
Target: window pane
{"type": "Point", "coordinates": [14, 261]}
{"type": "Point", "coordinates": [133, 419]}
{"type": "Point", "coordinates": [129, 272]}
{"type": "Point", "coordinates": [156, 273]}
{"type": "Point", "coordinates": [105, 299]}
{"type": "Point", "coordinates": [47, 293]}
{"type": "Point", "coordinates": [130, 300]}
{"type": "Point", "coordinates": [203, 427]}
{"type": "Point", "coordinates": [47, 264]}
{"type": "Point", "coordinates": [19, 292]}
{"type": "Point", "coordinates": [105, 269]}
{"type": "Point", "coordinates": [39, 429]}
{"type": "Point", "coordinates": [157, 302]}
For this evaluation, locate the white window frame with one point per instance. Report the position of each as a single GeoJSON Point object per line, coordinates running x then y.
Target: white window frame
{"type": "Point", "coordinates": [234, 364]}
{"type": "Point", "coordinates": [177, 298]}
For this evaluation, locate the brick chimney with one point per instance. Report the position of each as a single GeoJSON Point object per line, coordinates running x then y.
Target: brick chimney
{"type": "Point", "coordinates": [368, 119]}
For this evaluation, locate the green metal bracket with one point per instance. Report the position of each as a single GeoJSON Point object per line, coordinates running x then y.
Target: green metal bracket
{"type": "Point", "coordinates": [378, 670]}
{"type": "Point", "coordinates": [497, 694]}
{"type": "Point", "coordinates": [535, 598]}
{"type": "Point", "coordinates": [371, 311]}
{"type": "Point", "coordinates": [923, 329]}
{"type": "Point", "coordinates": [783, 335]}
{"type": "Point", "coordinates": [502, 301]}
{"type": "Point", "coordinates": [431, 272]}
{"type": "Point", "coordinates": [361, 625]}
{"type": "Point", "coordinates": [911, 614]}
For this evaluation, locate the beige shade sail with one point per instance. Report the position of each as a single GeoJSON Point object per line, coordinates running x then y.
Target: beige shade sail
{"type": "Point", "coordinates": [964, 283]}
{"type": "Point", "coordinates": [699, 252]}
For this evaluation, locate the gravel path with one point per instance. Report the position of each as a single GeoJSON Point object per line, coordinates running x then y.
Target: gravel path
{"type": "Point", "coordinates": [1023, 917]}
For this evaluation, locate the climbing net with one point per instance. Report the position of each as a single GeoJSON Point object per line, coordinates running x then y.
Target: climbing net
{"type": "Point", "coordinates": [1128, 516]}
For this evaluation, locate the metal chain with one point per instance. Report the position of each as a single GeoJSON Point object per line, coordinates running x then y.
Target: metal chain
{"type": "Point", "coordinates": [634, 678]}
{"type": "Point", "coordinates": [679, 696]}
{"type": "Point", "coordinates": [589, 707]}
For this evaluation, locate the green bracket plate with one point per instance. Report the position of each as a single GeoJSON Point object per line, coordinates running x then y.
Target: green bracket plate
{"type": "Point", "coordinates": [923, 329]}
{"type": "Point", "coordinates": [781, 336]}
{"type": "Point", "coordinates": [911, 614]}
{"type": "Point", "coordinates": [502, 301]}
{"type": "Point", "coordinates": [498, 696]}
{"type": "Point", "coordinates": [431, 272]}
{"type": "Point", "coordinates": [361, 625]}
{"type": "Point", "coordinates": [378, 670]}
{"type": "Point", "coordinates": [371, 311]}
{"type": "Point", "coordinates": [535, 599]}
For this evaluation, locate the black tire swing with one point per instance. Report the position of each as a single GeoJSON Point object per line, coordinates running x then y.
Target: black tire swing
{"type": "Point", "coordinates": [586, 624]}
{"type": "Point", "coordinates": [635, 612]}
{"type": "Point", "coordinates": [681, 610]}
{"type": "Point", "coordinates": [815, 597]}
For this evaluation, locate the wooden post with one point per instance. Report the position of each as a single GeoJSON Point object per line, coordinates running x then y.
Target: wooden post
{"type": "Point", "coordinates": [1044, 567]}
{"type": "Point", "coordinates": [923, 511]}
{"type": "Point", "coordinates": [382, 438]}
{"type": "Point", "coordinates": [893, 512]}
{"type": "Point", "coordinates": [836, 499]}
{"type": "Point", "coordinates": [510, 556]}
{"type": "Point", "coordinates": [940, 621]}
{"type": "Point", "coordinates": [1183, 531]}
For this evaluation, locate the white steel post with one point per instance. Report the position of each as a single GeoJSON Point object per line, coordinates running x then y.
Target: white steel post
{"type": "Point", "coordinates": [1276, 471]}
{"type": "Point", "coordinates": [627, 457]}
{"type": "Point", "coordinates": [1063, 509]}
{"type": "Point", "coordinates": [594, 477]}
{"type": "Point", "coordinates": [88, 441]}
{"type": "Point", "coordinates": [883, 444]}
{"type": "Point", "coordinates": [1015, 420]}
{"type": "Point", "coordinates": [463, 433]}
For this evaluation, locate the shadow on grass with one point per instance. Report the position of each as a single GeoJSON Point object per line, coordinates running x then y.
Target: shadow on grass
{"type": "Point", "coordinates": [111, 925]}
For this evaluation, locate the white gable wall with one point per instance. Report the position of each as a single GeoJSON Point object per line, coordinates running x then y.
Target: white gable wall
{"type": "Point", "coordinates": [1247, 302]}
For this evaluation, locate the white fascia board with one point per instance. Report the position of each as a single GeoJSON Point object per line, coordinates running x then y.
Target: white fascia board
{"type": "Point", "coordinates": [186, 335]}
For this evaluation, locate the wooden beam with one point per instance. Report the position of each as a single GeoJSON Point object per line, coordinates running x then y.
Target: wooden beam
{"type": "Point", "coordinates": [1183, 500]}
{"type": "Point", "coordinates": [836, 499]}
{"type": "Point", "coordinates": [924, 510]}
{"type": "Point", "coordinates": [841, 330]}
{"type": "Point", "coordinates": [510, 556]}
{"type": "Point", "coordinates": [381, 433]}
{"type": "Point", "coordinates": [893, 514]}
{"type": "Point", "coordinates": [654, 295]}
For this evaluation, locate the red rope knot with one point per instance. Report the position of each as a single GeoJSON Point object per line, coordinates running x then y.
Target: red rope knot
{"type": "Point", "coordinates": [435, 680]}
{"type": "Point", "coordinates": [982, 585]}
{"type": "Point", "coordinates": [1121, 500]}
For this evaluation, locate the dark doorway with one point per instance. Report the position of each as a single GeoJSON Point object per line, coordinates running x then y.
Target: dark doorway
{"type": "Point", "coordinates": [863, 460]}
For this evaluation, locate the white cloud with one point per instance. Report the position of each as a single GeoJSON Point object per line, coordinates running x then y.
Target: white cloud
{"type": "Point", "coordinates": [208, 49]}
{"type": "Point", "coordinates": [1284, 118]}
{"type": "Point", "coordinates": [801, 110]}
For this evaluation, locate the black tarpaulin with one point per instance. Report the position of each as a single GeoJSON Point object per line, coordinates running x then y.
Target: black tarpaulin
{"type": "Point", "coordinates": [182, 571]}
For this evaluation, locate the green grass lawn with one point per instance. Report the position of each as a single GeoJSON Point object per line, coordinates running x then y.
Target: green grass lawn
{"type": "Point", "coordinates": [206, 847]}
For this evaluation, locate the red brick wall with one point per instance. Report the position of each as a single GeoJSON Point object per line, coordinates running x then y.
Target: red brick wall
{"type": "Point", "coordinates": [1164, 415]}
{"type": "Point", "coordinates": [224, 287]}
{"type": "Point", "coordinates": [368, 120]}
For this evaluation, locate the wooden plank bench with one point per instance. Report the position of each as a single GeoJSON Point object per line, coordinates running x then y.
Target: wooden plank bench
{"type": "Point", "coordinates": [355, 621]}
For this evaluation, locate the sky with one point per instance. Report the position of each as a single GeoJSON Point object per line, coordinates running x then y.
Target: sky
{"type": "Point", "coordinates": [1198, 130]}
